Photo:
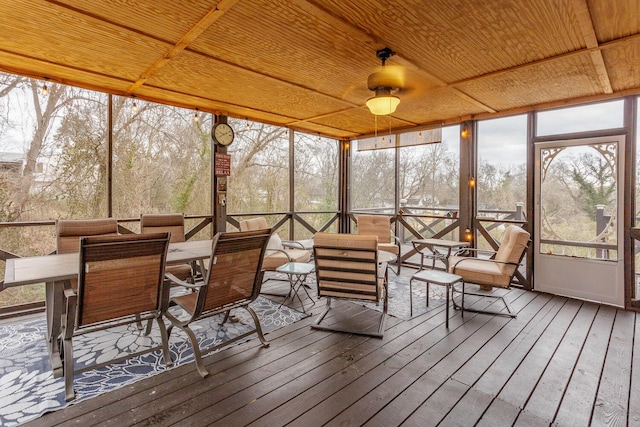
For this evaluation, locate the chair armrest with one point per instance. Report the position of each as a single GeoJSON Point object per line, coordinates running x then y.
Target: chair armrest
{"type": "Point", "coordinates": [493, 261]}
{"type": "Point", "coordinates": [477, 251]}
{"type": "Point", "coordinates": [292, 244]}
{"type": "Point", "coordinates": [280, 250]}
{"type": "Point", "coordinates": [177, 281]}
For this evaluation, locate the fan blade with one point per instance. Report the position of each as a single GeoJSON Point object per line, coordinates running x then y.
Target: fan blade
{"type": "Point", "coordinates": [392, 76]}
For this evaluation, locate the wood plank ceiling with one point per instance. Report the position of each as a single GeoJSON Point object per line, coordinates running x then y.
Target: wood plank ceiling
{"type": "Point", "coordinates": [304, 63]}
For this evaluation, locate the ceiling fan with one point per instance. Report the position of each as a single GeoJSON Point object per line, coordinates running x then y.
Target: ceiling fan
{"type": "Point", "coordinates": [385, 83]}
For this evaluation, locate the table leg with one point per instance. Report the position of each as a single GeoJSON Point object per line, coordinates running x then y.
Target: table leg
{"type": "Point", "coordinates": [447, 288]}
{"type": "Point", "coordinates": [54, 306]}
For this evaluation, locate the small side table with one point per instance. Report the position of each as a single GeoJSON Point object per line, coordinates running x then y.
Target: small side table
{"type": "Point", "coordinates": [437, 278]}
{"type": "Point", "coordinates": [433, 245]}
{"type": "Point", "coordinates": [297, 273]}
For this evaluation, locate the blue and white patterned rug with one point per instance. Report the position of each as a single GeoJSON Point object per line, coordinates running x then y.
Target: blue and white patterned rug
{"type": "Point", "coordinates": [27, 386]}
{"type": "Point", "coordinates": [398, 294]}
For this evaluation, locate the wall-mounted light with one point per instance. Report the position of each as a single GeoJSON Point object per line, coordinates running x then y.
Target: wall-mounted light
{"type": "Point", "coordinates": [45, 89]}
{"type": "Point", "coordinates": [472, 182]}
{"type": "Point", "coordinates": [464, 133]}
{"type": "Point", "coordinates": [468, 236]}
{"type": "Point", "coordinates": [134, 106]}
{"type": "Point", "coordinates": [196, 119]}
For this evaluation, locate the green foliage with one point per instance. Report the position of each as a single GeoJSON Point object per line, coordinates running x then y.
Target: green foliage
{"type": "Point", "coordinates": [595, 181]}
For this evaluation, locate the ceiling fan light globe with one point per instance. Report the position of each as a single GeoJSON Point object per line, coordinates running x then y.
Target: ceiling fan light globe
{"type": "Point", "coordinates": [382, 105]}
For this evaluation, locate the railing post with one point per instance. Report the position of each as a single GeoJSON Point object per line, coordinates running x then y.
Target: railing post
{"type": "Point", "coordinates": [519, 211]}
{"type": "Point", "coordinates": [601, 223]}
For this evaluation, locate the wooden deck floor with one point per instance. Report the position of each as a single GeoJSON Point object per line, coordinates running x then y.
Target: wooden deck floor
{"type": "Point", "coordinates": [561, 362]}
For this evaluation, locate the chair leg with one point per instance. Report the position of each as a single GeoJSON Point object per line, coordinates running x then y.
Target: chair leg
{"type": "Point", "coordinates": [164, 337]}
{"type": "Point", "coordinates": [226, 317]}
{"type": "Point", "coordinates": [253, 314]}
{"type": "Point", "coordinates": [510, 312]}
{"type": "Point", "coordinates": [147, 330]}
{"type": "Point", "coordinates": [378, 334]}
{"type": "Point", "coordinates": [197, 355]}
{"type": "Point", "coordinates": [68, 370]}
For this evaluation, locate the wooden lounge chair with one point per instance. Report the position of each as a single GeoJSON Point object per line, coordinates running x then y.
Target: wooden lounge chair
{"type": "Point", "coordinates": [173, 223]}
{"type": "Point", "coordinates": [121, 281]}
{"type": "Point", "coordinates": [347, 268]}
{"type": "Point", "coordinates": [380, 226]}
{"type": "Point", "coordinates": [495, 269]}
{"type": "Point", "coordinates": [233, 280]}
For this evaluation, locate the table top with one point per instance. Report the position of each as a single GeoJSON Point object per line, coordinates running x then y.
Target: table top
{"type": "Point", "coordinates": [50, 268]}
{"type": "Point", "coordinates": [442, 243]}
{"type": "Point", "coordinates": [296, 268]}
{"type": "Point", "coordinates": [437, 277]}
{"type": "Point", "coordinates": [384, 256]}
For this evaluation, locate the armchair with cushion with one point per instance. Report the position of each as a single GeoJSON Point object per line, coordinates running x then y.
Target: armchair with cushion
{"type": "Point", "coordinates": [380, 226]}
{"type": "Point", "coordinates": [496, 270]}
{"type": "Point", "coordinates": [347, 268]}
{"type": "Point", "coordinates": [278, 252]}
{"type": "Point", "coordinates": [121, 281]}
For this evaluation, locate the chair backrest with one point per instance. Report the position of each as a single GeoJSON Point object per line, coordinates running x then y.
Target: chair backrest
{"type": "Point", "coordinates": [512, 248]}
{"type": "Point", "coordinates": [235, 270]}
{"type": "Point", "coordinates": [69, 232]}
{"type": "Point", "coordinates": [259, 223]}
{"type": "Point", "coordinates": [120, 276]}
{"type": "Point", "coordinates": [160, 223]}
{"type": "Point", "coordinates": [377, 225]}
{"type": "Point", "coordinates": [347, 266]}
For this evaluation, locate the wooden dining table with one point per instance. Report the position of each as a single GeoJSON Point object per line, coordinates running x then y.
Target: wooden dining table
{"type": "Point", "coordinates": [56, 271]}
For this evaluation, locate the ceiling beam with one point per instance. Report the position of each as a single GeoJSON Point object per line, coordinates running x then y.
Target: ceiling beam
{"type": "Point", "coordinates": [201, 26]}
{"type": "Point", "coordinates": [581, 9]}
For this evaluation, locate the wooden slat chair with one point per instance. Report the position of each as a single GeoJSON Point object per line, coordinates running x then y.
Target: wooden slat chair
{"type": "Point", "coordinates": [496, 269]}
{"type": "Point", "coordinates": [380, 226]}
{"type": "Point", "coordinates": [121, 280]}
{"type": "Point", "coordinates": [347, 268]}
{"type": "Point", "coordinates": [233, 280]}
{"type": "Point", "coordinates": [173, 223]}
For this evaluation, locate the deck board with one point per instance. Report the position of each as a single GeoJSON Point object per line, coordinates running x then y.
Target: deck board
{"type": "Point", "coordinates": [560, 362]}
{"type": "Point", "coordinates": [611, 406]}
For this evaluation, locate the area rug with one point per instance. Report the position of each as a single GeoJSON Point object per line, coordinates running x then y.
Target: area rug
{"type": "Point", "coordinates": [398, 294]}
{"type": "Point", "coordinates": [27, 386]}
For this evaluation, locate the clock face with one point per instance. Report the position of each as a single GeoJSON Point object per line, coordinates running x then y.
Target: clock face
{"type": "Point", "coordinates": [222, 134]}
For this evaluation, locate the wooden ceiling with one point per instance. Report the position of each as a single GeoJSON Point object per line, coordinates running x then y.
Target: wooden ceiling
{"type": "Point", "coordinates": [304, 63]}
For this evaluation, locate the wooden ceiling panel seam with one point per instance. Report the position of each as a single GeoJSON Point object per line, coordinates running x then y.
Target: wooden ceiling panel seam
{"type": "Point", "coordinates": [209, 19]}
{"type": "Point", "coordinates": [273, 78]}
{"type": "Point", "coordinates": [583, 51]}
{"type": "Point", "coordinates": [286, 121]}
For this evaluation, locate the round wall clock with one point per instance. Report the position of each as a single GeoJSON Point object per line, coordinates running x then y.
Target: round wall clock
{"type": "Point", "coordinates": [222, 134]}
